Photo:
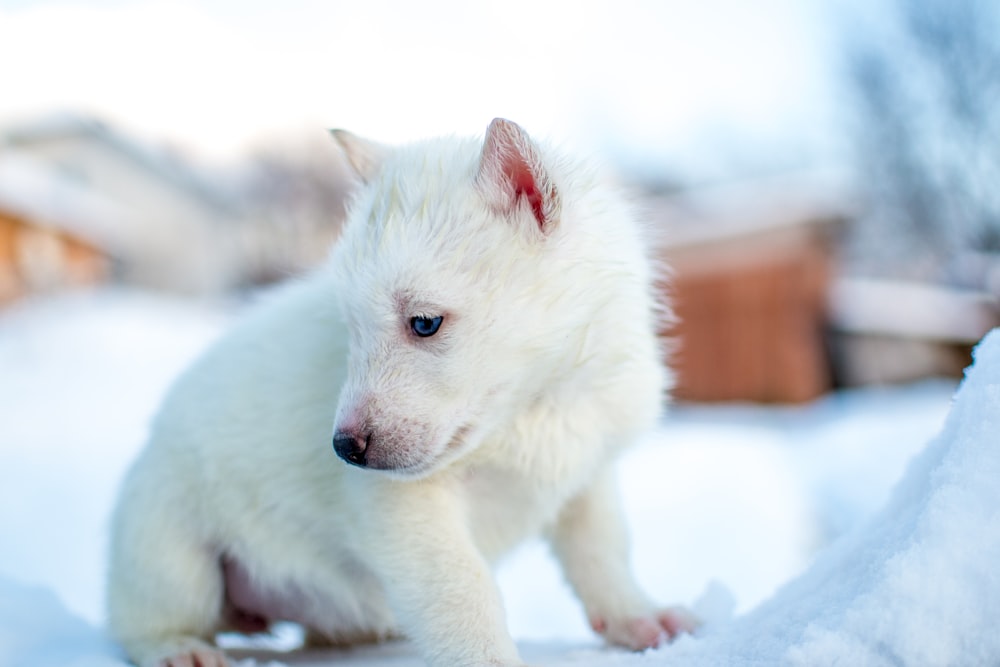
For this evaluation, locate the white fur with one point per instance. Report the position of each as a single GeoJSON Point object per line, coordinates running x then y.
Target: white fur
{"type": "Point", "coordinates": [503, 425]}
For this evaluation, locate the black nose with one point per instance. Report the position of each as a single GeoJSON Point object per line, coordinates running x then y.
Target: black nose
{"type": "Point", "coordinates": [352, 448]}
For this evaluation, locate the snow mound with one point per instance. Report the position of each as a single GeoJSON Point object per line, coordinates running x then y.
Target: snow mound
{"type": "Point", "coordinates": [918, 585]}
{"type": "Point", "coordinates": [37, 631]}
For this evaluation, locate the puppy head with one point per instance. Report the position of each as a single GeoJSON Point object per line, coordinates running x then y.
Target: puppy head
{"type": "Point", "coordinates": [447, 276]}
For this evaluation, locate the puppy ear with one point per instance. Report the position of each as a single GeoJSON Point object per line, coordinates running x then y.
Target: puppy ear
{"type": "Point", "coordinates": [364, 156]}
{"type": "Point", "coordinates": [512, 178]}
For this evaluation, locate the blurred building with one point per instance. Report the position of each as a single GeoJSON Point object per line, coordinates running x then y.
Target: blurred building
{"type": "Point", "coordinates": [53, 234]}
{"type": "Point", "coordinates": [174, 231]}
{"type": "Point", "coordinates": [751, 265]}
{"type": "Point", "coordinates": [888, 331]}
{"type": "Point", "coordinates": [177, 226]}
{"type": "Point", "coordinates": [768, 311]}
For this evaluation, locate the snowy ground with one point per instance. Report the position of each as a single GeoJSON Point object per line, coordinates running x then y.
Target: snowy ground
{"type": "Point", "coordinates": [726, 505]}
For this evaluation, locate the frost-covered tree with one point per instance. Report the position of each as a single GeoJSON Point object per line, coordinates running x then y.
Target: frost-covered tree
{"type": "Point", "coordinates": [298, 189]}
{"type": "Point", "coordinates": [926, 84]}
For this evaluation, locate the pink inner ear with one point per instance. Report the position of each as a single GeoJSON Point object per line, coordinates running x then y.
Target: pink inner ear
{"type": "Point", "coordinates": [509, 166]}
{"type": "Point", "coordinates": [520, 176]}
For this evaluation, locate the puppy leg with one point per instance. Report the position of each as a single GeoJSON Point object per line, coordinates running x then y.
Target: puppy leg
{"type": "Point", "coordinates": [165, 591]}
{"type": "Point", "coordinates": [438, 583]}
{"type": "Point", "coordinates": [591, 544]}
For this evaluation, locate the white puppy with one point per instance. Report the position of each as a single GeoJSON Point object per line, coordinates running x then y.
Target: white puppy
{"type": "Point", "coordinates": [480, 347]}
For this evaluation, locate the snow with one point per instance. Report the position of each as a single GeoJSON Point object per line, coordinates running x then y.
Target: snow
{"type": "Point", "coordinates": [918, 584]}
{"type": "Point", "coordinates": [80, 378]}
{"type": "Point", "coordinates": [765, 519]}
{"type": "Point", "coordinates": [35, 629]}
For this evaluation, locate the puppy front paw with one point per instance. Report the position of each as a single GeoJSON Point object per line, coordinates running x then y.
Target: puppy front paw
{"type": "Point", "coordinates": [200, 657]}
{"type": "Point", "coordinates": [645, 631]}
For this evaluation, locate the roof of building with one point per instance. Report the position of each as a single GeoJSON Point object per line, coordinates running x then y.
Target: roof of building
{"type": "Point", "coordinates": [165, 164]}
{"type": "Point", "coordinates": [733, 211]}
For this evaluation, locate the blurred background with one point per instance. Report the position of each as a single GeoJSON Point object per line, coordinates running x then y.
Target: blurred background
{"type": "Point", "coordinates": [823, 175]}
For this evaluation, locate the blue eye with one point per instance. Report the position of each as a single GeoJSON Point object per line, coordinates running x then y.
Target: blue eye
{"type": "Point", "coordinates": [425, 326]}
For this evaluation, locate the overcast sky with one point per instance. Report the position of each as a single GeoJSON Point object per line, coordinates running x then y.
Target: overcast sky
{"type": "Point", "coordinates": [648, 82]}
